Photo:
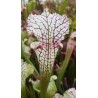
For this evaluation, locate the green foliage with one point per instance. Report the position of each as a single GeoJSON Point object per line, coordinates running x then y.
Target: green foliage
{"type": "Point", "coordinates": [26, 58]}
{"type": "Point", "coordinates": [30, 7]}
{"type": "Point", "coordinates": [26, 70]}
{"type": "Point", "coordinates": [51, 90]}
{"type": "Point", "coordinates": [64, 66]}
{"type": "Point", "coordinates": [36, 86]}
{"type": "Point", "coordinates": [24, 35]}
{"type": "Point", "coordinates": [62, 9]}
{"type": "Point", "coordinates": [46, 83]}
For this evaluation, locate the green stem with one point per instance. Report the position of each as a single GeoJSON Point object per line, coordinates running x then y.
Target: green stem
{"type": "Point", "coordinates": [63, 68]}
{"type": "Point", "coordinates": [45, 78]}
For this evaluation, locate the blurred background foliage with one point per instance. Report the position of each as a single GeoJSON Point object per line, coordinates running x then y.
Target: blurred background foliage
{"type": "Point", "coordinates": [67, 7]}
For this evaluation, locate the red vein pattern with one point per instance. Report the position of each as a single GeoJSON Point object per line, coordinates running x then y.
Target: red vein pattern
{"type": "Point", "coordinates": [49, 29]}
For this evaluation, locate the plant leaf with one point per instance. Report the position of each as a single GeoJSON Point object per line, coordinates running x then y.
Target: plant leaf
{"type": "Point", "coordinates": [26, 58]}
{"type": "Point", "coordinates": [26, 70]}
{"type": "Point", "coordinates": [70, 46]}
{"type": "Point", "coordinates": [49, 29]}
{"type": "Point", "coordinates": [51, 90]}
